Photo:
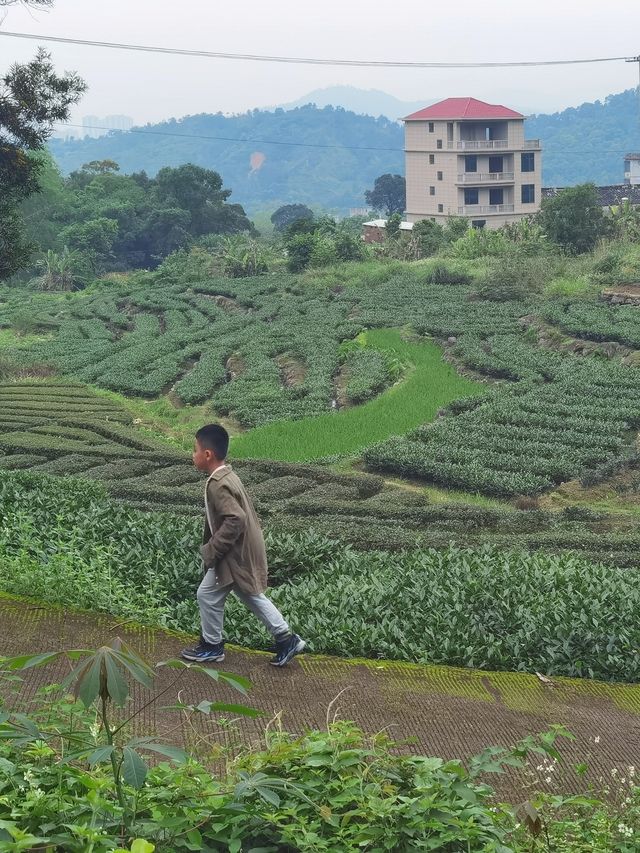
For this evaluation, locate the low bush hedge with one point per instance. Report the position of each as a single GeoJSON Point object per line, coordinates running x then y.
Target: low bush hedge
{"type": "Point", "coordinates": [479, 607]}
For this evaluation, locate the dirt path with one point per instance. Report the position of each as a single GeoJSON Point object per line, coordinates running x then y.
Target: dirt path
{"type": "Point", "coordinates": [444, 711]}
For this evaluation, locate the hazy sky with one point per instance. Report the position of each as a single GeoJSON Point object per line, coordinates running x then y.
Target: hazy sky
{"type": "Point", "coordinates": [150, 87]}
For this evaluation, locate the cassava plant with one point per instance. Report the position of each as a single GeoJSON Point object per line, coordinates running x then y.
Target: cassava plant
{"type": "Point", "coordinates": [101, 679]}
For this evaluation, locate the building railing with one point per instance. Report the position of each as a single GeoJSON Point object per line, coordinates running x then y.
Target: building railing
{"type": "Point", "coordinates": [475, 144]}
{"type": "Point", "coordinates": [473, 209]}
{"type": "Point", "coordinates": [479, 144]}
{"type": "Point", "coordinates": [484, 177]}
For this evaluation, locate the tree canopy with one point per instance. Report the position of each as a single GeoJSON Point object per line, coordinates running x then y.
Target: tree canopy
{"type": "Point", "coordinates": [286, 215]}
{"type": "Point", "coordinates": [573, 218]}
{"type": "Point", "coordinates": [32, 98]}
{"type": "Point", "coordinates": [115, 222]}
{"type": "Point", "coordinates": [388, 194]}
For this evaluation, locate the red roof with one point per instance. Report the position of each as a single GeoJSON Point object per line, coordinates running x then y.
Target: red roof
{"type": "Point", "coordinates": [463, 108]}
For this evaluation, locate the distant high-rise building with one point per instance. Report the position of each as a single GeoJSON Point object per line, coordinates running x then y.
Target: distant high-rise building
{"type": "Point", "coordinates": [94, 126]}
{"type": "Point", "coordinates": [118, 122]}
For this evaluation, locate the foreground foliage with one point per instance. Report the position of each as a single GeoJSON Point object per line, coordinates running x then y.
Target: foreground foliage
{"type": "Point", "coordinates": [73, 780]}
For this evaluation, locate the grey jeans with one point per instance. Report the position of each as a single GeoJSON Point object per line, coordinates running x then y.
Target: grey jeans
{"type": "Point", "coordinates": [211, 601]}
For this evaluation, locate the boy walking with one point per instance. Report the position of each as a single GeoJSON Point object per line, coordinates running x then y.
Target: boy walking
{"type": "Point", "coordinates": [234, 556]}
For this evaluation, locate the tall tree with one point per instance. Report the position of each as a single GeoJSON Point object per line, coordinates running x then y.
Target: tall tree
{"type": "Point", "coordinates": [32, 98]}
{"type": "Point", "coordinates": [288, 214]}
{"type": "Point", "coordinates": [388, 194]}
{"type": "Point", "coordinates": [200, 191]}
{"type": "Point", "coordinates": [574, 218]}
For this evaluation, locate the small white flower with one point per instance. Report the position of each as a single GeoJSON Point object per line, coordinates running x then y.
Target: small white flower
{"type": "Point", "coordinates": [548, 780]}
{"type": "Point", "coordinates": [596, 739]}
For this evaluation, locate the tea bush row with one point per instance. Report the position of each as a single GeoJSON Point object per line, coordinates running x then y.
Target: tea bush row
{"type": "Point", "coordinates": [525, 439]}
{"type": "Point", "coordinates": [483, 608]}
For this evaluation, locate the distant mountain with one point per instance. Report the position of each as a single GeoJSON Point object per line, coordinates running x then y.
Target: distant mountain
{"type": "Point", "coordinates": [588, 143]}
{"type": "Point", "coordinates": [370, 102]}
{"type": "Point", "coordinates": [340, 153]}
{"type": "Point", "coordinates": [374, 102]}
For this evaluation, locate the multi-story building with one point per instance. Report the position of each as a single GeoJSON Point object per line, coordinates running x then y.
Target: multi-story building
{"type": "Point", "coordinates": [94, 126]}
{"type": "Point", "coordinates": [632, 168]}
{"type": "Point", "coordinates": [464, 157]}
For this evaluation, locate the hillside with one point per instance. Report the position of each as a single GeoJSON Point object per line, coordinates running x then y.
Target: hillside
{"type": "Point", "coordinates": [584, 143]}
{"type": "Point", "coordinates": [588, 143]}
{"type": "Point", "coordinates": [266, 172]}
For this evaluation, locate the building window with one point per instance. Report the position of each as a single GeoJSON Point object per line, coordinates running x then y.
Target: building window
{"type": "Point", "coordinates": [528, 193]}
{"type": "Point", "coordinates": [431, 127]}
{"type": "Point", "coordinates": [496, 165]}
{"type": "Point", "coordinates": [470, 196]}
{"type": "Point", "coordinates": [478, 223]}
{"type": "Point", "coordinates": [471, 163]}
{"type": "Point", "coordinates": [441, 208]}
{"type": "Point", "coordinates": [439, 176]}
{"type": "Point", "coordinates": [496, 196]}
{"type": "Point", "coordinates": [432, 190]}
{"type": "Point", "coordinates": [528, 162]}
{"type": "Point", "coordinates": [439, 143]}
{"type": "Point", "coordinates": [432, 159]}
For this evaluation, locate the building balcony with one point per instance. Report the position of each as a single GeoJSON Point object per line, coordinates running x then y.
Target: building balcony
{"type": "Point", "coordinates": [485, 177]}
{"type": "Point", "coordinates": [475, 209]}
{"type": "Point", "coordinates": [492, 144]}
{"type": "Point", "coordinates": [479, 144]}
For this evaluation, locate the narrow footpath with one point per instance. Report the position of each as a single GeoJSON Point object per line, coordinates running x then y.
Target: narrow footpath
{"type": "Point", "coordinates": [452, 713]}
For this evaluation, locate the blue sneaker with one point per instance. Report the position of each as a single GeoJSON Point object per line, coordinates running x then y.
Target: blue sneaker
{"type": "Point", "coordinates": [287, 649]}
{"type": "Point", "coordinates": [205, 652]}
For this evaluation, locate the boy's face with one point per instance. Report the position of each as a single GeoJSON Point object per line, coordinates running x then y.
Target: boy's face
{"type": "Point", "coordinates": [203, 459]}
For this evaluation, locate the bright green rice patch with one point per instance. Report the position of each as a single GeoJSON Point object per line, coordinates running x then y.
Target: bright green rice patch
{"type": "Point", "coordinates": [430, 383]}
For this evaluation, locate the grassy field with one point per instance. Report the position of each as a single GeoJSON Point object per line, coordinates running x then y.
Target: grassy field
{"type": "Point", "coordinates": [429, 384]}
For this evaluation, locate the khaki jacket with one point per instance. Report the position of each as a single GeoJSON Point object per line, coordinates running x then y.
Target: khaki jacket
{"type": "Point", "coordinates": [233, 543]}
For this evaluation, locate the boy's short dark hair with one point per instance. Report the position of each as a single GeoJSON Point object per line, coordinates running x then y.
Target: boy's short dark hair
{"type": "Point", "coordinates": [214, 437]}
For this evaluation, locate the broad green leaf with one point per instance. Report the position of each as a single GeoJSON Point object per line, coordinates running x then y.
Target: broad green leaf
{"type": "Point", "coordinates": [172, 752]}
{"type": "Point", "coordinates": [206, 707]}
{"type": "Point", "coordinates": [102, 753]}
{"type": "Point", "coordinates": [139, 845]}
{"type": "Point", "coordinates": [116, 685]}
{"type": "Point", "coordinates": [134, 770]}
{"type": "Point", "coordinates": [268, 795]}
{"type": "Point", "coordinates": [28, 661]}
{"type": "Point", "coordinates": [239, 683]}
{"type": "Point", "coordinates": [87, 686]}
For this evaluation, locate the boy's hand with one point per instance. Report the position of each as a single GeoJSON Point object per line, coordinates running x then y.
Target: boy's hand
{"type": "Point", "coordinates": [206, 553]}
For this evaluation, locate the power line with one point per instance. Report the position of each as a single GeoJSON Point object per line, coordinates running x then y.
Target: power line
{"type": "Point", "coordinates": [251, 57]}
{"type": "Point", "coordinates": [300, 144]}
{"type": "Point", "coordinates": [235, 139]}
